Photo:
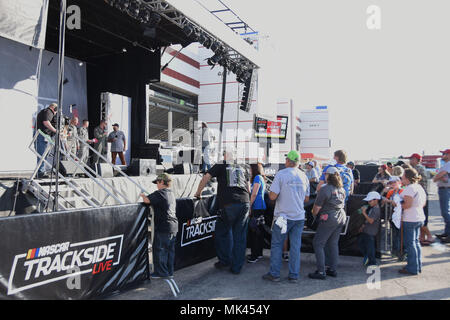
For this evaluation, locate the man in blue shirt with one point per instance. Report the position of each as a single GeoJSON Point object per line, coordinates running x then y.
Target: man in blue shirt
{"type": "Point", "coordinates": [290, 189]}
{"type": "Point", "coordinates": [340, 156]}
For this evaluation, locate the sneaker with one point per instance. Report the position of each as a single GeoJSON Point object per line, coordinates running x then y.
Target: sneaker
{"type": "Point", "coordinates": [317, 275]}
{"type": "Point", "coordinates": [445, 240]}
{"type": "Point", "coordinates": [292, 280]}
{"type": "Point", "coordinates": [404, 271]}
{"type": "Point", "coordinates": [285, 257]}
{"type": "Point", "coordinates": [157, 276]}
{"type": "Point", "coordinates": [219, 265]}
{"type": "Point", "coordinates": [252, 259]}
{"type": "Point", "coordinates": [43, 175]}
{"type": "Point", "coordinates": [440, 236]}
{"type": "Point", "coordinates": [331, 273]}
{"type": "Point", "coordinates": [270, 277]}
{"type": "Point", "coordinates": [365, 261]}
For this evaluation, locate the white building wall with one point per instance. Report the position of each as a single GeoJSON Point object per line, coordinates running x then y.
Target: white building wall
{"type": "Point", "coordinates": [315, 132]}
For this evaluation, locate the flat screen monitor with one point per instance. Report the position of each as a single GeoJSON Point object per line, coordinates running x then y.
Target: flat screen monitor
{"type": "Point", "coordinates": [271, 129]}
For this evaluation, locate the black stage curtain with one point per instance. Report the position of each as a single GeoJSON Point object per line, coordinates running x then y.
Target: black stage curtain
{"type": "Point", "coordinates": [126, 74]}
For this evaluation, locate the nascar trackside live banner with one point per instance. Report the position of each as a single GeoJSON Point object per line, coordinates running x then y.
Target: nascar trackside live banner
{"type": "Point", "coordinates": [80, 254]}
{"type": "Point", "coordinates": [196, 227]}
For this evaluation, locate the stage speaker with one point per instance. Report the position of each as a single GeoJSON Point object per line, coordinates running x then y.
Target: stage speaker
{"type": "Point", "coordinates": [143, 167]}
{"type": "Point", "coordinates": [184, 168]}
{"type": "Point", "coordinates": [104, 170]}
{"type": "Point", "coordinates": [68, 168]}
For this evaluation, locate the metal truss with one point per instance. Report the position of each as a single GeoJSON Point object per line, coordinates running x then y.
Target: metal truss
{"type": "Point", "coordinates": [233, 60]}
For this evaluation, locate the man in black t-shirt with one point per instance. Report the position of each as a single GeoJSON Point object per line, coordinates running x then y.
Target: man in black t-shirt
{"type": "Point", "coordinates": [166, 226]}
{"type": "Point", "coordinates": [45, 123]}
{"type": "Point", "coordinates": [233, 196]}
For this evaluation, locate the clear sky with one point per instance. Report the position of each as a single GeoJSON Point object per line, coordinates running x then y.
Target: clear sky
{"type": "Point", "coordinates": [388, 90]}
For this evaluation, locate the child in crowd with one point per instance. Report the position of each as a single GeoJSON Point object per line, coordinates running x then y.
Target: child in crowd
{"type": "Point", "coordinates": [166, 226]}
{"type": "Point", "coordinates": [393, 197]}
{"type": "Point", "coordinates": [370, 228]}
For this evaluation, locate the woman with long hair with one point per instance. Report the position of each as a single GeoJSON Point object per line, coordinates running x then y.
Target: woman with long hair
{"type": "Point", "coordinates": [413, 217]}
{"type": "Point", "coordinates": [257, 212]}
{"type": "Point", "coordinates": [329, 209]}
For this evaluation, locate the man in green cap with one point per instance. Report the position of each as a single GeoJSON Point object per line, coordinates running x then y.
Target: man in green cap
{"type": "Point", "coordinates": [290, 189]}
{"type": "Point", "coordinates": [166, 226]}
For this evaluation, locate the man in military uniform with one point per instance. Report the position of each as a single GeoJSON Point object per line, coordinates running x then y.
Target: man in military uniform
{"type": "Point", "coordinates": [101, 146]}
{"type": "Point", "coordinates": [83, 134]}
{"type": "Point", "coordinates": [72, 137]}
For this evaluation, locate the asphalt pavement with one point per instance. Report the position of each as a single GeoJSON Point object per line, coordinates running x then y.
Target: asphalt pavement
{"type": "Point", "coordinates": [354, 281]}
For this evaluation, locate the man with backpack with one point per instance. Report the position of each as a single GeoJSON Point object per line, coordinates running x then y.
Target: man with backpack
{"type": "Point", "coordinates": [340, 156]}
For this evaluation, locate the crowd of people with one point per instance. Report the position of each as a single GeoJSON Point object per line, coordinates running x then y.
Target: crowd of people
{"type": "Point", "coordinates": [242, 213]}
{"type": "Point", "coordinates": [72, 137]}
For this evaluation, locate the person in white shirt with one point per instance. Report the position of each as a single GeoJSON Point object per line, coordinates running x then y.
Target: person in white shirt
{"type": "Point", "coordinates": [414, 199]}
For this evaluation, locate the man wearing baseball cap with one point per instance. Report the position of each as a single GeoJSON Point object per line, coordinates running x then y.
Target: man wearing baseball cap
{"type": "Point", "coordinates": [166, 226]}
{"type": "Point", "coordinates": [311, 173]}
{"type": "Point", "coordinates": [414, 160]}
{"type": "Point", "coordinates": [443, 182]}
{"type": "Point", "coordinates": [290, 189]}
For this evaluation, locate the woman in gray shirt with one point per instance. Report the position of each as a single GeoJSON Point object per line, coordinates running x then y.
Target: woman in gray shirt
{"type": "Point", "coordinates": [329, 209]}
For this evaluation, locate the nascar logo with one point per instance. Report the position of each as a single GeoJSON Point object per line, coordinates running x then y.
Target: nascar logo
{"type": "Point", "coordinates": [197, 229]}
{"type": "Point", "coordinates": [40, 266]}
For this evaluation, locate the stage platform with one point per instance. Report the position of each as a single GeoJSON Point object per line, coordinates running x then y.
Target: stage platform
{"type": "Point", "coordinates": [184, 186]}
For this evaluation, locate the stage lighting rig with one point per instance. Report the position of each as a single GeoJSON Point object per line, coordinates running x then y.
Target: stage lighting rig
{"type": "Point", "coordinates": [208, 42]}
{"type": "Point", "coordinates": [144, 16]}
{"type": "Point", "coordinates": [121, 4]}
{"type": "Point", "coordinates": [202, 38]}
{"type": "Point", "coordinates": [188, 30]}
{"type": "Point", "coordinates": [133, 10]}
{"type": "Point", "coordinates": [155, 18]}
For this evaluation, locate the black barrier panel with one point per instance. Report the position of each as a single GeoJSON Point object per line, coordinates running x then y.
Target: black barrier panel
{"type": "Point", "coordinates": [82, 254]}
{"type": "Point", "coordinates": [366, 187]}
{"type": "Point", "coordinates": [367, 172]}
{"type": "Point", "coordinates": [348, 243]}
{"type": "Point", "coordinates": [196, 227]}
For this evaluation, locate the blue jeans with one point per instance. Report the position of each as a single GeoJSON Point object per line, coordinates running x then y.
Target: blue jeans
{"type": "Point", "coordinates": [412, 246]}
{"type": "Point", "coordinates": [396, 240]}
{"type": "Point", "coordinates": [231, 235]}
{"type": "Point", "coordinates": [41, 145]}
{"type": "Point", "coordinates": [444, 202]}
{"type": "Point", "coordinates": [164, 253]}
{"type": "Point", "coordinates": [367, 246]}
{"type": "Point", "coordinates": [294, 230]}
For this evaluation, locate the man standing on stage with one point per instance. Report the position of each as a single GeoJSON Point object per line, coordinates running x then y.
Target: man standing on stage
{"type": "Point", "coordinates": [100, 146]}
{"type": "Point", "coordinates": [44, 123]}
{"type": "Point", "coordinates": [83, 134]}
{"type": "Point", "coordinates": [72, 135]}
{"type": "Point", "coordinates": [118, 144]}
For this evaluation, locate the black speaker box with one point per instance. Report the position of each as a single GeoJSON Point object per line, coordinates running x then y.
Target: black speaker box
{"type": "Point", "coordinates": [143, 167]}
{"type": "Point", "coordinates": [184, 168]}
{"type": "Point", "coordinates": [367, 172]}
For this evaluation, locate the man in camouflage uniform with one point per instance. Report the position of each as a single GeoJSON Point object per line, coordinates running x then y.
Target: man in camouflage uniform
{"type": "Point", "coordinates": [72, 137]}
{"type": "Point", "coordinates": [83, 134]}
{"type": "Point", "coordinates": [101, 146]}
